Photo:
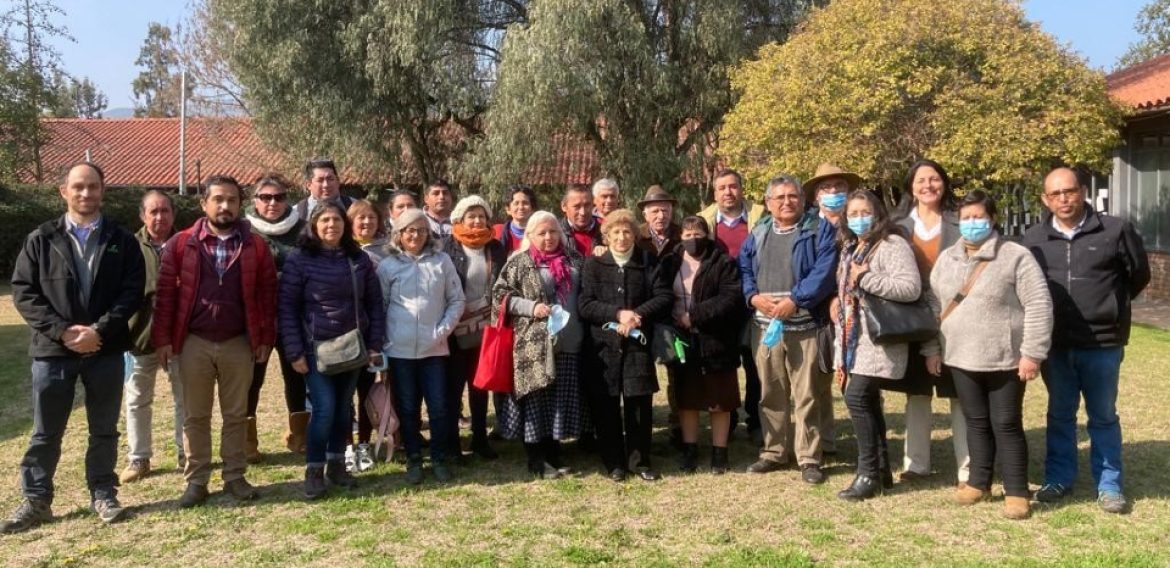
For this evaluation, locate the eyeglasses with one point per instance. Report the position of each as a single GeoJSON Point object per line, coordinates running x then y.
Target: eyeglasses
{"type": "Point", "coordinates": [271, 197]}
{"type": "Point", "coordinates": [415, 231]}
{"type": "Point", "coordinates": [831, 185]}
{"type": "Point", "coordinates": [1071, 192]}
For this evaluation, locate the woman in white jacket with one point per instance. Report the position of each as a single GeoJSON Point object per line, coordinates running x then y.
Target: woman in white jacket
{"type": "Point", "coordinates": [424, 301]}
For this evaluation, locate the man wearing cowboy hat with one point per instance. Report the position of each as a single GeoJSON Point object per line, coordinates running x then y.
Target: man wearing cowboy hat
{"type": "Point", "coordinates": [830, 189]}
{"type": "Point", "coordinates": [659, 234]}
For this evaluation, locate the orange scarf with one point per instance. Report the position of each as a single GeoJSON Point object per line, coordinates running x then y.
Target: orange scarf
{"type": "Point", "coordinates": [468, 237]}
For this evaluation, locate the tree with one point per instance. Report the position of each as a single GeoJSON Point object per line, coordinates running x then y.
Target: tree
{"type": "Point", "coordinates": [74, 99]}
{"type": "Point", "coordinates": [157, 89]}
{"type": "Point", "coordinates": [868, 85]}
{"type": "Point", "coordinates": [643, 82]}
{"type": "Point", "coordinates": [1153, 23]}
{"type": "Point", "coordinates": [19, 121]}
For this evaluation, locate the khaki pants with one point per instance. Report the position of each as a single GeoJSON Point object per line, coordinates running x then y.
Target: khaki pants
{"type": "Point", "coordinates": [140, 406]}
{"type": "Point", "coordinates": [203, 365]}
{"type": "Point", "coordinates": [788, 380]}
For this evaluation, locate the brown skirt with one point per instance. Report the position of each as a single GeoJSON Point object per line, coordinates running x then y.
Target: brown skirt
{"type": "Point", "coordinates": [715, 392]}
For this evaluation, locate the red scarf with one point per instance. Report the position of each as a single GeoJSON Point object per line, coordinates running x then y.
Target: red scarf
{"type": "Point", "coordinates": [473, 238]}
{"type": "Point", "coordinates": [558, 265]}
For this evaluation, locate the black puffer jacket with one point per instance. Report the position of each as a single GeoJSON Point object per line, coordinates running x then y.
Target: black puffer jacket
{"type": "Point", "coordinates": [717, 313]}
{"type": "Point", "coordinates": [626, 364]}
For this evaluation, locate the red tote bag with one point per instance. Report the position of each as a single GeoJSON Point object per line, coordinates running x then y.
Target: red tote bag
{"type": "Point", "coordinates": [494, 372]}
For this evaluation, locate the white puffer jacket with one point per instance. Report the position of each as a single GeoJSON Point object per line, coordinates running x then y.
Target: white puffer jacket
{"type": "Point", "coordinates": [424, 301]}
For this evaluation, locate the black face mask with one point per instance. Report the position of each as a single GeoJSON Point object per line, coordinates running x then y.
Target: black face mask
{"type": "Point", "coordinates": [696, 247]}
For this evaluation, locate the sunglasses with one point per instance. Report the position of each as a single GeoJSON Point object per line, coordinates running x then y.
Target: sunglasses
{"type": "Point", "coordinates": [270, 197]}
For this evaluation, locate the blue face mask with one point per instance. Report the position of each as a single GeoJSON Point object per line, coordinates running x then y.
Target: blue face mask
{"type": "Point", "coordinates": [774, 333]}
{"type": "Point", "coordinates": [975, 230]}
{"type": "Point", "coordinates": [558, 318]}
{"type": "Point", "coordinates": [860, 225]}
{"type": "Point", "coordinates": [833, 201]}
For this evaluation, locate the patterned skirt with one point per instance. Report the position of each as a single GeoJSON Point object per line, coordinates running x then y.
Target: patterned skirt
{"type": "Point", "coordinates": [556, 411]}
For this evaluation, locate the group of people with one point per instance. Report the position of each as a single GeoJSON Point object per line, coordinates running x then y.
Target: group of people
{"type": "Point", "coordinates": [351, 293]}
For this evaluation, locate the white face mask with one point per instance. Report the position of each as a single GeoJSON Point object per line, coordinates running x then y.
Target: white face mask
{"type": "Point", "coordinates": [558, 318]}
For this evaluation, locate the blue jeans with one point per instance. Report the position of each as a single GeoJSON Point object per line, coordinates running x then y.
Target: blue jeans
{"type": "Point", "coordinates": [331, 423]}
{"type": "Point", "coordinates": [415, 380]}
{"type": "Point", "coordinates": [54, 380]}
{"type": "Point", "coordinates": [1093, 373]}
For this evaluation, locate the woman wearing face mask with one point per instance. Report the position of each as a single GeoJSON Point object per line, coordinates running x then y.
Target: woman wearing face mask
{"type": "Point", "coordinates": [478, 258]}
{"type": "Point", "coordinates": [541, 282]}
{"type": "Point", "coordinates": [928, 218]}
{"type": "Point", "coordinates": [709, 312]}
{"type": "Point", "coordinates": [875, 260]}
{"type": "Point", "coordinates": [622, 296]}
{"type": "Point", "coordinates": [994, 336]}
{"type": "Point", "coordinates": [521, 204]}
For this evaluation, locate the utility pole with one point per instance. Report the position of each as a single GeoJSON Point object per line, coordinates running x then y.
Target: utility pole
{"type": "Point", "coordinates": [183, 133]}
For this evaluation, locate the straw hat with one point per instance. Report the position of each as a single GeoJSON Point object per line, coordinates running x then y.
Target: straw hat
{"type": "Point", "coordinates": [825, 171]}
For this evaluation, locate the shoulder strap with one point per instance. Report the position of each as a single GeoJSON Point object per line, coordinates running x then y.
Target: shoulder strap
{"type": "Point", "coordinates": [357, 323]}
{"type": "Point", "coordinates": [966, 289]}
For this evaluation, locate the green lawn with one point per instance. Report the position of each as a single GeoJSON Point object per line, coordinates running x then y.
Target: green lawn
{"type": "Point", "coordinates": [494, 515]}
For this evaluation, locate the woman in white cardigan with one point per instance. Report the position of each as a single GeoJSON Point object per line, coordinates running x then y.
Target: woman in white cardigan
{"type": "Point", "coordinates": [994, 337]}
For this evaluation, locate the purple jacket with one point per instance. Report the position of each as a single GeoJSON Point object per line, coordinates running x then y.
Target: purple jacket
{"type": "Point", "coordinates": [316, 300]}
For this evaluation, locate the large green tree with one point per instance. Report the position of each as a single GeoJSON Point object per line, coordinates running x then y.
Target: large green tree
{"type": "Point", "coordinates": [28, 66]}
{"type": "Point", "coordinates": [872, 85]}
{"type": "Point", "coordinates": [74, 98]}
{"type": "Point", "coordinates": [642, 82]}
{"type": "Point", "coordinates": [1153, 24]}
{"type": "Point", "coordinates": [158, 87]}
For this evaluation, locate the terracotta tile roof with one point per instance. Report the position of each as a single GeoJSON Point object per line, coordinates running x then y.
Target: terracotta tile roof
{"type": "Point", "coordinates": [576, 162]}
{"type": "Point", "coordinates": [1145, 86]}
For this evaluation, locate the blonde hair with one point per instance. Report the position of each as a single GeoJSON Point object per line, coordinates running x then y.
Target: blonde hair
{"type": "Point", "coordinates": [619, 217]}
{"type": "Point", "coordinates": [536, 219]}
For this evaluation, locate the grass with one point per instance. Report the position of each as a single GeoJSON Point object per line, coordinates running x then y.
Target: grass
{"type": "Point", "coordinates": [494, 515]}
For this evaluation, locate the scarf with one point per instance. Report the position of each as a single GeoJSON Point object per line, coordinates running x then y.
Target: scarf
{"type": "Point", "coordinates": [850, 306]}
{"type": "Point", "coordinates": [622, 258]}
{"type": "Point", "coordinates": [559, 266]}
{"type": "Point", "coordinates": [272, 228]}
{"type": "Point", "coordinates": [472, 238]}
{"type": "Point", "coordinates": [516, 230]}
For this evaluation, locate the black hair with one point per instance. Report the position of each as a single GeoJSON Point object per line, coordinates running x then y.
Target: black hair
{"type": "Point", "coordinates": [439, 182]}
{"type": "Point", "coordinates": [882, 226]}
{"type": "Point", "coordinates": [65, 172]}
{"type": "Point", "coordinates": [399, 192]}
{"type": "Point", "coordinates": [576, 188]}
{"type": "Point", "coordinates": [318, 163]}
{"type": "Point", "coordinates": [150, 192]}
{"type": "Point", "coordinates": [695, 222]}
{"type": "Point", "coordinates": [310, 241]}
{"type": "Point", "coordinates": [980, 197]}
{"type": "Point", "coordinates": [221, 180]}
{"type": "Point", "coordinates": [526, 190]}
{"type": "Point", "coordinates": [950, 202]}
{"type": "Point", "coordinates": [729, 172]}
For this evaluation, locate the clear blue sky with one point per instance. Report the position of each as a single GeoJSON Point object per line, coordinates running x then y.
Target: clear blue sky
{"type": "Point", "coordinates": [109, 34]}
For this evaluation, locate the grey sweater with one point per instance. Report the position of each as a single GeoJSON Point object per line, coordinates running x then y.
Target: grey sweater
{"type": "Point", "coordinates": [1007, 314]}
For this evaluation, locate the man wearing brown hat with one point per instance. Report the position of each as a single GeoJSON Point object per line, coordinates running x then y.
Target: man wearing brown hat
{"type": "Point", "coordinates": [659, 234]}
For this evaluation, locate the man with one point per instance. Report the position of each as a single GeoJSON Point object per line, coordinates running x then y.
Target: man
{"type": "Point", "coordinates": [659, 234]}
{"type": "Point", "coordinates": [731, 218]}
{"type": "Point", "coordinates": [606, 197]}
{"type": "Point", "coordinates": [438, 201]}
{"type": "Point", "coordinates": [581, 228]}
{"type": "Point", "coordinates": [789, 270]}
{"type": "Point", "coordinates": [157, 212]}
{"type": "Point", "coordinates": [215, 314]}
{"type": "Point", "coordinates": [77, 282]}
{"type": "Point", "coordinates": [1095, 265]}
{"type": "Point", "coordinates": [324, 184]}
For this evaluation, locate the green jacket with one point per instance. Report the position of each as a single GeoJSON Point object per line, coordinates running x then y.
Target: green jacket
{"type": "Point", "coordinates": [756, 212]}
{"type": "Point", "coordinates": [140, 321]}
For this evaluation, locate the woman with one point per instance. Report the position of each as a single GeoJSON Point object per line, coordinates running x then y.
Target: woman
{"type": "Point", "coordinates": [708, 309]}
{"type": "Point", "coordinates": [280, 226]}
{"type": "Point", "coordinates": [996, 330]}
{"type": "Point", "coordinates": [400, 201]}
{"type": "Point", "coordinates": [328, 288]}
{"type": "Point", "coordinates": [521, 204]}
{"type": "Point", "coordinates": [622, 296]}
{"type": "Point", "coordinates": [875, 260]}
{"type": "Point", "coordinates": [367, 223]}
{"type": "Point", "coordinates": [477, 257]}
{"type": "Point", "coordinates": [424, 302]}
{"type": "Point", "coordinates": [545, 406]}
{"type": "Point", "coordinates": [927, 218]}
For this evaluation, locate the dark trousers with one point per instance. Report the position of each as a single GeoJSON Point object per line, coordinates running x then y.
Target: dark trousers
{"type": "Point", "coordinates": [365, 382]}
{"type": "Point", "coordinates": [993, 403]}
{"type": "Point", "coordinates": [54, 381]}
{"type": "Point", "coordinates": [294, 384]}
{"type": "Point", "coordinates": [863, 398]}
{"type": "Point", "coordinates": [331, 424]}
{"type": "Point", "coordinates": [624, 426]}
{"type": "Point", "coordinates": [414, 381]}
{"type": "Point", "coordinates": [462, 372]}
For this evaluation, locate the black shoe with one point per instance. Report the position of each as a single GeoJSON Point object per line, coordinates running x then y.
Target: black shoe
{"type": "Point", "coordinates": [194, 495]}
{"type": "Point", "coordinates": [552, 457]}
{"type": "Point", "coordinates": [811, 473]}
{"type": "Point", "coordinates": [765, 466]}
{"type": "Point", "coordinates": [1052, 493]}
{"type": "Point", "coordinates": [617, 474]}
{"type": "Point", "coordinates": [862, 488]}
{"type": "Point", "coordinates": [414, 471]}
{"type": "Point", "coordinates": [649, 475]}
{"type": "Point", "coordinates": [241, 490]}
{"type": "Point", "coordinates": [587, 443]}
{"type": "Point", "coordinates": [30, 513]}
{"type": "Point", "coordinates": [442, 471]}
{"type": "Point", "coordinates": [718, 461]}
{"type": "Point", "coordinates": [688, 462]}
{"type": "Point", "coordinates": [336, 474]}
{"type": "Point", "coordinates": [314, 482]}
{"type": "Point", "coordinates": [887, 479]}
{"type": "Point", "coordinates": [483, 449]}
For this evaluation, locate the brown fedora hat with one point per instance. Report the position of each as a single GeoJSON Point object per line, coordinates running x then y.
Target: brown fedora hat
{"type": "Point", "coordinates": [825, 171]}
{"type": "Point", "coordinates": [656, 193]}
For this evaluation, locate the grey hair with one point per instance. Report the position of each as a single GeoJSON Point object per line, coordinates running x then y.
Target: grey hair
{"type": "Point", "coordinates": [784, 179]}
{"type": "Point", "coordinates": [605, 183]}
{"type": "Point", "coordinates": [152, 192]}
{"type": "Point", "coordinates": [538, 218]}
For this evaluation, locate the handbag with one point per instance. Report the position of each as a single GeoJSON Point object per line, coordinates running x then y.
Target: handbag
{"type": "Point", "coordinates": [668, 346]}
{"type": "Point", "coordinates": [346, 352]}
{"type": "Point", "coordinates": [380, 410]}
{"type": "Point", "coordinates": [494, 372]}
{"type": "Point", "coordinates": [891, 322]}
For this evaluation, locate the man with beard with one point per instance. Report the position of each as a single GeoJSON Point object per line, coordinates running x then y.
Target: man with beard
{"type": "Point", "coordinates": [215, 314]}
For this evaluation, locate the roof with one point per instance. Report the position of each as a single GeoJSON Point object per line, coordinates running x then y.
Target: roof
{"type": "Point", "coordinates": [1145, 86]}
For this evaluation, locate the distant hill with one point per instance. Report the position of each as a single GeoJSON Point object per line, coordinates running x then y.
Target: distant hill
{"type": "Point", "coordinates": [123, 112]}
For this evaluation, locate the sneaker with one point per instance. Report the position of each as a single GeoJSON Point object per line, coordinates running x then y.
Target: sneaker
{"type": "Point", "coordinates": [109, 510]}
{"type": "Point", "coordinates": [1052, 493]}
{"type": "Point", "coordinates": [811, 473]}
{"type": "Point", "coordinates": [241, 490]}
{"type": "Point", "coordinates": [364, 457]}
{"type": "Point", "coordinates": [1112, 502]}
{"type": "Point", "coordinates": [30, 513]}
{"type": "Point", "coordinates": [350, 459]}
{"type": "Point", "coordinates": [765, 466]}
{"type": "Point", "coordinates": [138, 469]}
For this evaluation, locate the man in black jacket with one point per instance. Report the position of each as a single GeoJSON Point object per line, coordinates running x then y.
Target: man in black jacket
{"type": "Point", "coordinates": [77, 282]}
{"type": "Point", "coordinates": [1095, 265]}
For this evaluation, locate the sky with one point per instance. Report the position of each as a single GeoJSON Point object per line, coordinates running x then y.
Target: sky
{"type": "Point", "coordinates": [109, 33]}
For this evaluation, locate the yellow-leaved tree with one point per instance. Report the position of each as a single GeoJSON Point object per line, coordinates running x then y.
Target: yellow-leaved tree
{"type": "Point", "coordinates": [872, 85]}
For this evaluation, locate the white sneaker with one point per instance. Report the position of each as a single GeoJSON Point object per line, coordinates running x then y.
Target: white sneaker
{"type": "Point", "coordinates": [350, 459]}
{"type": "Point", "coordinates": [364, 457]}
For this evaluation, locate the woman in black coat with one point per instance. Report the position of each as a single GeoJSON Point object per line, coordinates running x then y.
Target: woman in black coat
{"type": "Point", "coordinates": [623, 288]}
{"type": "Point", "coordinates": [708, 312]}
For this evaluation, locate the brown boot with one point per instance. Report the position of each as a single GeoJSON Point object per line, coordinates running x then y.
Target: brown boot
{"type": "Point", "coordinates": [1016, 508]}
{"type": "Point", "coordinates": [967, 495]}
{"type": "Point", "coordinates": [298, 425]}
{"type": "Point", "coordinates": [252, 448]}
